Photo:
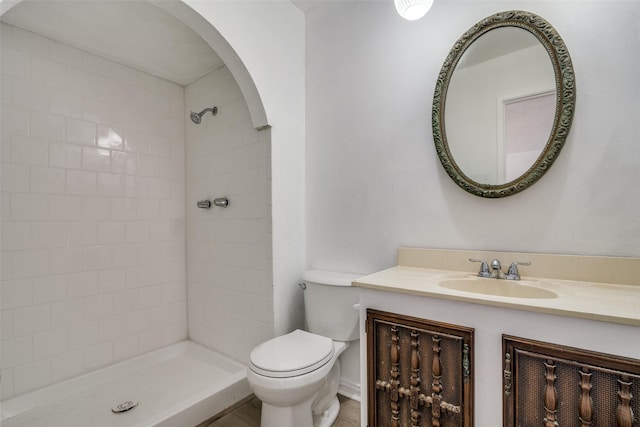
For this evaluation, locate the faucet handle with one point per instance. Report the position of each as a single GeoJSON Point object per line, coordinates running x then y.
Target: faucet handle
{"type": "Point", "coordinates": [484, 267]}
{"type": "Point", "coordinates": [513, 273]}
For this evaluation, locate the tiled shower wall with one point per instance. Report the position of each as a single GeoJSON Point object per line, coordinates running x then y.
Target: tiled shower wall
{"type": "Point", "coordinates": [93, 217]}
{"type": "Point", "coordinates": [229, 249]}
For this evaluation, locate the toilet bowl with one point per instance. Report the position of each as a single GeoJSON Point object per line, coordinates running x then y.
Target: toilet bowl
{"type": "Point", "coordinates": [296, 376]}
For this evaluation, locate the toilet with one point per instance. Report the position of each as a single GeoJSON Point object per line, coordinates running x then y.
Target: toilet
{"type": "Point", "coordinates": [296, 376]}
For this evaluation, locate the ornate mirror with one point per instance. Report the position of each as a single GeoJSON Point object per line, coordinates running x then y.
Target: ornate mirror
{"type": "Point", "coordinates": [503, 104]}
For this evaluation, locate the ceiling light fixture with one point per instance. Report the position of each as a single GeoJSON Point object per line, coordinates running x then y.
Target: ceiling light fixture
{"type": "Point", "coordinates": [413, 9]}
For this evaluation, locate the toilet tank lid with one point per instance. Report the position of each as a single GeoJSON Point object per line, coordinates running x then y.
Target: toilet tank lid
{"type": "Point", "coordinates": [333, 278]}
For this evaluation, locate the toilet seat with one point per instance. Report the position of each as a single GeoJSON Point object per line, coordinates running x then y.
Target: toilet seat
{"type": "Point", "coordinates": [296, 353]}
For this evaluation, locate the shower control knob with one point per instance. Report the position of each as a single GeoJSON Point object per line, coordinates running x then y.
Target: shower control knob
{"type": "Point", "coordinates": [204, 204]}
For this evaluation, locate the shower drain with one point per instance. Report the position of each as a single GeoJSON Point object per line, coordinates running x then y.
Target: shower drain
{"type": "Point", "coordinates": [124, 407]}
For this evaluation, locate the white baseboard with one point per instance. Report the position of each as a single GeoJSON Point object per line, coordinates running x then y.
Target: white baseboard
{"type": "Point", "coordinates": [349, 389]}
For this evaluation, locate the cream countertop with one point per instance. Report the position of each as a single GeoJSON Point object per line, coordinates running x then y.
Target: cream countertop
{"type": "Point", "coordinates": [589, 300]}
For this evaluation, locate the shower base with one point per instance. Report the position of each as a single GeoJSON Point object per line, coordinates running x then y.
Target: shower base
{"type": "Point", "coordinates": [177, 386]}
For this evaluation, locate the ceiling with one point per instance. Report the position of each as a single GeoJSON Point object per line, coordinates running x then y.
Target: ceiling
{"type": "Point", "coordinates": [134, 33]}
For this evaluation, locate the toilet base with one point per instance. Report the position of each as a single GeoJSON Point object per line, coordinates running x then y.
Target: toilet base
{"type": "Point", "coordinates": [327, 418]}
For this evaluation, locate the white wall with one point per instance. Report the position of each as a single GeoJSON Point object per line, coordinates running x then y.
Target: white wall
{"type": "Point", "coordinates": [228, 249]}
{"type": "Point", "coordinates": [269, 38]}
{"type": "Point", "coordinates": [93, 231]}
{"type": "Point", "coordinates": [374, 181]}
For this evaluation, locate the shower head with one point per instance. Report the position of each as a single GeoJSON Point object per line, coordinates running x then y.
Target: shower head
{"type": "Point", "coordinates": [197, 117]}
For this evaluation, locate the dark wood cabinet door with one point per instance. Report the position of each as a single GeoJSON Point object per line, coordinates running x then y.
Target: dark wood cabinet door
{"type": "Point", "coordinates": [549, 385]}
{"type": "Point", "coordinates": [419, 372]}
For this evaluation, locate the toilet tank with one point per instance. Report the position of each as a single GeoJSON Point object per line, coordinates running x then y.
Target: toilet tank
{"type": "Point", "coordinates": [328, 301]}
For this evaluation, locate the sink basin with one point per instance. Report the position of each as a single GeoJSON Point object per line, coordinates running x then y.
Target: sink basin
{"type": "Point", "coordinates": [502, 288]}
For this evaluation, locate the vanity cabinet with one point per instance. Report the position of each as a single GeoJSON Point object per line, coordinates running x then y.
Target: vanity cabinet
{"type": "Point", "coordinates": [419, 372]}
{"type": "Point", "coordinates": [552, 385]}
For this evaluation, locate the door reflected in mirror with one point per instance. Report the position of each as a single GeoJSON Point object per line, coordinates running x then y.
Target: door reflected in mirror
{"type": "Point", "coordinates": [523, 131]}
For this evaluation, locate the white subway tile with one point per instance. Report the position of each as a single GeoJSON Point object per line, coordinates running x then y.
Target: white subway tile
{"type": "Point", "coordinates": [111, 185]}
{"type": "Point", "coordinates": [64, 207]}
{"type": "Point", "coordinates": [47, 180]}
{"type": "Point", "coordinates": [84, 334]}
{"type": "Point", "coordinates": [67, 312]}
{"type": "Point", "coordinates": [136, 231]}
{"type": "Point", "coordinates": [50, 343]}
{"type": "Point", "coordinates": [67, 365]}
{"type": "Point", "coordinates": [14, 120]}
{"type": "Point", "coordinates": [16, 293]}
{"type": "Point", "coordinates": [6, 390]}
{"type": "Point", "coordinates": [110, 137]}
{"type": "Point", "coordinates": [98, 355]}
{"type": "Point", "coordinates": [110, 232]}
{"type": "Point", "coordinates": [29, 263]}
{"type": "Point", "coordinates": [150, 296]}
{"type": "Point", "coordinates": [34, 318]}
{"type": "Point", "coordinates": [137, 321]}
{"type": "Point", "coordinates": [148, 209]}
{"type": "Point", "coordinates": [96, 159]}
{"type": "Point", "coordinates": [48, 126]}
{"type": "Point", "coordinates": [98, 306]}
{"type": "Point", "coordinates": [29, 42]}
{"type": "Point", "coordinates": [150, 339]}
{"type": "Point", "coordinates": [6, 325]}
{"type": "Point", "coordinates": [159, 188]}
{"type": "Point", "coordinates": [174, 333]}
{"type": "Point", "coordinates": [125, 301]}
{"type": "Point", "coordinates": [48, 234]}
{"type": "Point", "coordinates": [125, 255]}
{"type": "Point", "coordinates": [16, 351]}
{"type": "Point", "coordinates": [97, 257]}
{"type": "Point", "coordinates": [96, 110]}
{"type": "Point", "coordinates": [31, 151]}
{"type": "Point", "coordinates": [82, 284]}
{"type": "Point", "coordinates": [32, 376]}
{"type": "Point", "coordinates": [15, 63]}
{"type": "Point", "coordinates": [80, 132]}
{"type": "Point", "coordinates": [81, 82]}
{"type": "Point", "coordinates": [96, 208]}
{"type": "Point", "coordinates": [28, 94]}
{"type": "Point", "coordinates": [112, 280]}
{"type": "Point", "coordinates": [174, 292]}
{"type": "Point", "coordinates": [65, 103]}
{"type": "Point", "coordinates": [126, 347]}
{"type": "Point", "coordinates": [65, 54]}
{"type": "Point", "coordinates": [49, 289]}
{"type": "Point", "coordinates": [48, 72]}
{"type": "Point", "coordinates": [64, 155]}
{"type": "Point", "coordinates": [112, 327]}
{"type": "Point", "coordinates": [125, 163]}
{"type": "Point", "coordinates": [66, 260]}
{"type": "Point", "coordinates": [81, 182]}
{"type": "Point", "coordinates": [137, 142]}
{"type": "Point", "coordinates": [15, 235]}
{"type": "Point", "coordinates": [123, 209]}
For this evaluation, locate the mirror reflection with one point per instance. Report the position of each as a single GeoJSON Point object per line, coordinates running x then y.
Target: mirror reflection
{"type": "Point", "coordinates": [503, 104]}
{"type": "Point", "coordinates": [500, 105]}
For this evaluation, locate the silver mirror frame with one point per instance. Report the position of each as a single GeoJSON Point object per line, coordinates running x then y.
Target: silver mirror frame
{"type": "Point", "coordinates": [565, 101]}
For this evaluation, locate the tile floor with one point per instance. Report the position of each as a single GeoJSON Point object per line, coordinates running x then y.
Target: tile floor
{"type": "Point", "coordinates": [248, 415]}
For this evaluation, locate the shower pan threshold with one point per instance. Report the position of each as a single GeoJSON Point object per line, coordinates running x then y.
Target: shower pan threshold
{"type": "Point", "coordinates": [176, 386]}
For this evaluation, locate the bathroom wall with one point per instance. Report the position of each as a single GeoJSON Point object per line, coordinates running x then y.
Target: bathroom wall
{"type": "Point", "coordinates": [93, 218]}
{"type": "Point", "coordinates": [229, 249]}
{"type": "Point", "coordinates": [374, 181]}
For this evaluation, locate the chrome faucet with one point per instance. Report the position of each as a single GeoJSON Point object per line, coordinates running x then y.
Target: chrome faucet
{"type": "Point", "coordinates": [496, 269]}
